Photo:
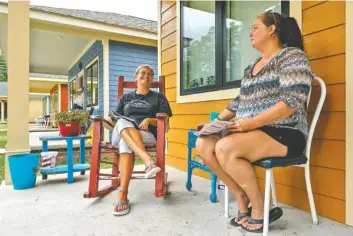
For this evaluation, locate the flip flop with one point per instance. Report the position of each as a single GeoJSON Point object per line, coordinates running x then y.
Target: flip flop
{"type": "Point", "coordinates": [274, 215]}
{"type": "Point", "coordinates": [153, 171]}
{"type": "Point", "coordinates": [240, 217]}
{"type": "Point", "coordinates": [122, 212]}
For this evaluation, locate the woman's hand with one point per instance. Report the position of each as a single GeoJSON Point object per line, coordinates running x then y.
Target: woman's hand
{"type": "Point", "coordinates": [144, 124]}
{"type": "Point", "coordinates": [242, 125]}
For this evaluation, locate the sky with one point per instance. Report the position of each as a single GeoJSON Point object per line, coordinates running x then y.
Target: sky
{"type": "Point", "coordinates": [140, 8]}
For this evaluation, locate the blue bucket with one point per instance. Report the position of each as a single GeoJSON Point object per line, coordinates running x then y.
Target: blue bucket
{"type": "Point", "coordinates": [23, 170]}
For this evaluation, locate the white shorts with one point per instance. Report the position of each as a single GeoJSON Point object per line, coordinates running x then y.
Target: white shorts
{"type": "Point", "coordinates": [147, 137]}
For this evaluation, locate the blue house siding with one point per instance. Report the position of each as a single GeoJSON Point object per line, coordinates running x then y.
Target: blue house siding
{"type": "Point", "coordinates": [96, 50]}
{"type": "Point", "coordinates": [124, 58]}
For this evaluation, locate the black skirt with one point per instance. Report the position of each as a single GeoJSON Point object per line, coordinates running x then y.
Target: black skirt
{"type": "Point", "coordinates": [293, 139]}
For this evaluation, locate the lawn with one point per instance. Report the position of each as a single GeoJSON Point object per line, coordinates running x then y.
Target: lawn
{"type": "Point", "coordinates": [3, 126]}
{"type": "Point", "coordinates": [2, 167]}
{"type": "Point", "coordinates": [3, 139]}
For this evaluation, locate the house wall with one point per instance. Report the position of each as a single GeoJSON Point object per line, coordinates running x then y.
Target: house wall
{"type": "Point", "coordinates": [124, 58]}
{"type": "Point", "coordinates": [324, 42]}
{"type": "Point", "coordinates": [35, 109]}
{"type": "Point", "coordinates": [96, 50]}
{"type": "Point", "coordinates": [64, 97]}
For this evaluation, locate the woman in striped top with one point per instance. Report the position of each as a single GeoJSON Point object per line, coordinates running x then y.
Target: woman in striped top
{"type": "Point", "coordinates": [270, 112]}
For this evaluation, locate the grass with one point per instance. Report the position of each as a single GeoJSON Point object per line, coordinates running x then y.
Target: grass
{"type": "Point", "coordinates": [3, 126]}
{"type": "Point", "coordinates": [3, 139]}
{"type": "Point", "coordinates": [2, 167]}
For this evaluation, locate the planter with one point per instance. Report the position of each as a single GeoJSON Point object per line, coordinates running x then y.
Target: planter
{"type": "Point", "coordinates": [71, 129]}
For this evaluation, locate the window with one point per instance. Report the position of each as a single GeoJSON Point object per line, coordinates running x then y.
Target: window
{"type": "Point", "coordinates": [215, 46]}
{"type": "Point", "coordinates": [72, 92]}
{"type": "Point", "coordinates": [92, 84]}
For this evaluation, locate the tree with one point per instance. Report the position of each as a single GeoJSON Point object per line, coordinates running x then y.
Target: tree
{"type": "Point", "coordinates": [3, 69]}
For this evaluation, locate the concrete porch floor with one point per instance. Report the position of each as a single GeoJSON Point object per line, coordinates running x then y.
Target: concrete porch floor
{"type": "Point", "coordinates": [56, 208]}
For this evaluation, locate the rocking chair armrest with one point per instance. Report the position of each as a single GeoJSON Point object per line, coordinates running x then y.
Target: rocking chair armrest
{"type": "Point", "coordinates": [95, 117]}
{"type": "Point", "coordinates": [162, 115]}
{"type": "Point", "coordinates": [162, 121]}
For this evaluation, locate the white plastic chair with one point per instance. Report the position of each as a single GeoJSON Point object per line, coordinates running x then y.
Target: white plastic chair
{"type": "Point", "coordinates": [270, 183]}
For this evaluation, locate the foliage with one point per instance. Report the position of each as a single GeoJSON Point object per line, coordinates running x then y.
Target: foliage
{"type": "Point", "coordinates": [3, 69]}
{"type": "Point", "coordinates": [76, 115]}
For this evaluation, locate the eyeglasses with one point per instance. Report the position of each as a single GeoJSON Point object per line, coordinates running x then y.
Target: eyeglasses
{"type": "Point", "coordinates": [143, 73]}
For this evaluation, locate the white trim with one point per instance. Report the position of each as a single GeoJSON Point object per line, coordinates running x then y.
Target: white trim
{"type": "Point", "coordinates": [59, 98]}
{"type": "Point", "coordinates": [72, 79]}
{"type": "Point", "coordinates": [88, 46]}
{"type": "Point", "coordinates": [83, 23]}
{"type": "Point", "coordinates": [40, 94]}
{"type": "Point", "coordinates": [96, 59]}
{"type": "Point", "coordinates": [295, 8]}
{"type": "Point", "coordinates": [159, 47]}
{"type": "Point", "coordinates": [106, 88]}
{"type": "Point", "coordinates": [88, 24]}
{"type": "Point", "coordinates": [47, 79]}
{"type": "Point", "coordinates": [349, 113]}
{"type": "Point", "coordinates": [92, 62]}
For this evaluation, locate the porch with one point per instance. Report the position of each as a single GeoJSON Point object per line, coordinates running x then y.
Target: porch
{"type": "Point", "coordinates": [54, 207]}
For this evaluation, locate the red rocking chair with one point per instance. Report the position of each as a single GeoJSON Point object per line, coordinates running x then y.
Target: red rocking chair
{"type": "Point", "coordinates": [99, 147]}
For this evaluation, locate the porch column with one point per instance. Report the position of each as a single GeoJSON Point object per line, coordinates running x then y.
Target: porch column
{"type": "Point", "coordinates": [2, 111]}
{"type": "Point", "coordinates": [18, 81]}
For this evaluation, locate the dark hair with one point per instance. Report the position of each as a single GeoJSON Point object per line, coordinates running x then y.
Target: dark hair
{"type": "Point", "coordinates": [287, 29]}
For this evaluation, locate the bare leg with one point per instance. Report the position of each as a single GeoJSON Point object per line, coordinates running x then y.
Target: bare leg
{"type": "Point", "coordinates": [237, 163]}
{"type": "Point", "coordinates": [126, 167]}
{"type": "Point", "coordinates": [206, 149]}
{"type": "Point", "coordinates": [133, 139]}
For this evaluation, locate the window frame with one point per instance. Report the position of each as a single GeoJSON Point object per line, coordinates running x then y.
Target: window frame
{"type": "Point", "coordinates": [90, 65]}
{"type": "Point", "coordinates": [71, 100]}
{"type": "Point", "coordinates": [220, 51]}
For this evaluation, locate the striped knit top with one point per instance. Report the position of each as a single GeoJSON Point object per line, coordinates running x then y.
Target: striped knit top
{"type": "Point", "coordinates": [286, 77]}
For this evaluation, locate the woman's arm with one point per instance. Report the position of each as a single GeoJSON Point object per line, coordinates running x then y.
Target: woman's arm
{"type": "Point", "coordinates": [226, 115]}
{"type": "Point", "coordinates": [275, 113]}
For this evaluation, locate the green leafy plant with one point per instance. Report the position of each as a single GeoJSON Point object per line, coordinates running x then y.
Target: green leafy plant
{"type": "Point", "coordinates": [66, 116]}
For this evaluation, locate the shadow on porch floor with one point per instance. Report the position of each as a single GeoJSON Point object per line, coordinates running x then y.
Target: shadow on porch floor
{"type": "Point", "coordinates": [54, 207]}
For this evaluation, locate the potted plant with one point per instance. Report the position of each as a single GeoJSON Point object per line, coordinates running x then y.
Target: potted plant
{"type": "Point", "coordinates": [70, 122]}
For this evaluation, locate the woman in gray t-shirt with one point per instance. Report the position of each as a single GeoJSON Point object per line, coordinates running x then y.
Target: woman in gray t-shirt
{"type": "Point", "coordinates": [140, 107]}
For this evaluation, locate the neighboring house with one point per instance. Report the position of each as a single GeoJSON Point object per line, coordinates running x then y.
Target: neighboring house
{"type": "Point", "coordinates": [3, 101]}
{"type": "Point", "coordinates": [51, 90]}
{"type": "Point", "coordinates": [91, 48]}
{"type": "Point", "coordinates": [37, 96]}
{"type": "Point", "coordinates": [191, 63]}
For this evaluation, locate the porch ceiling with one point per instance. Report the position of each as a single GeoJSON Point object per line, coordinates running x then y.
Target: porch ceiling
{"type": "Point", "coordinates": [50, 52]}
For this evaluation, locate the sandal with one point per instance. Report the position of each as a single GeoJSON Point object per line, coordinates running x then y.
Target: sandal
{"type": "Point", "coordinates": [274, 215]}
{"type": "Point", "coordinates": [153, 171]}
{"type": "Point", "coordinates": [240, 217]}
{"type": "Point", "coordinates": [116, 212]}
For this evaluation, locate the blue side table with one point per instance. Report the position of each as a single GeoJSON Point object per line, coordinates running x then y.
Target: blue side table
{"type": "Point", "coordinates": [70, 168]}
{"type": "Point", "coordinates": [192, 137]}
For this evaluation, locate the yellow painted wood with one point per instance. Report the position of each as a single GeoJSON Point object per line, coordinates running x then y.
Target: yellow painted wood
{"type": "Point", "coordinates": [310, 16]}
{"type": "Point", "coordinates": [333, 44]}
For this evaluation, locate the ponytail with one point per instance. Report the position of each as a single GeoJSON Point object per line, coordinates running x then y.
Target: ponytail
{"type": "Point", "coordinates": [287, 29]}
{"type": "Point", "coordinates": [291, 36]}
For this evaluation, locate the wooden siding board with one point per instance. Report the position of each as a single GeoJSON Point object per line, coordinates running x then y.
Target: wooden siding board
{"type": "Point", "coordinates": [331, 69]}
{"type": "Point", "coordinates": [124, 58]}
{"type": "Point", "coordinates": [336, 17]}
{"type": "Point", "coordinates": [333, 44]}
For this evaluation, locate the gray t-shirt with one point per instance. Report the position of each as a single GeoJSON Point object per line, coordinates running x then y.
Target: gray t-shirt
{"type": "Point", "coordinates": [142, 106]}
